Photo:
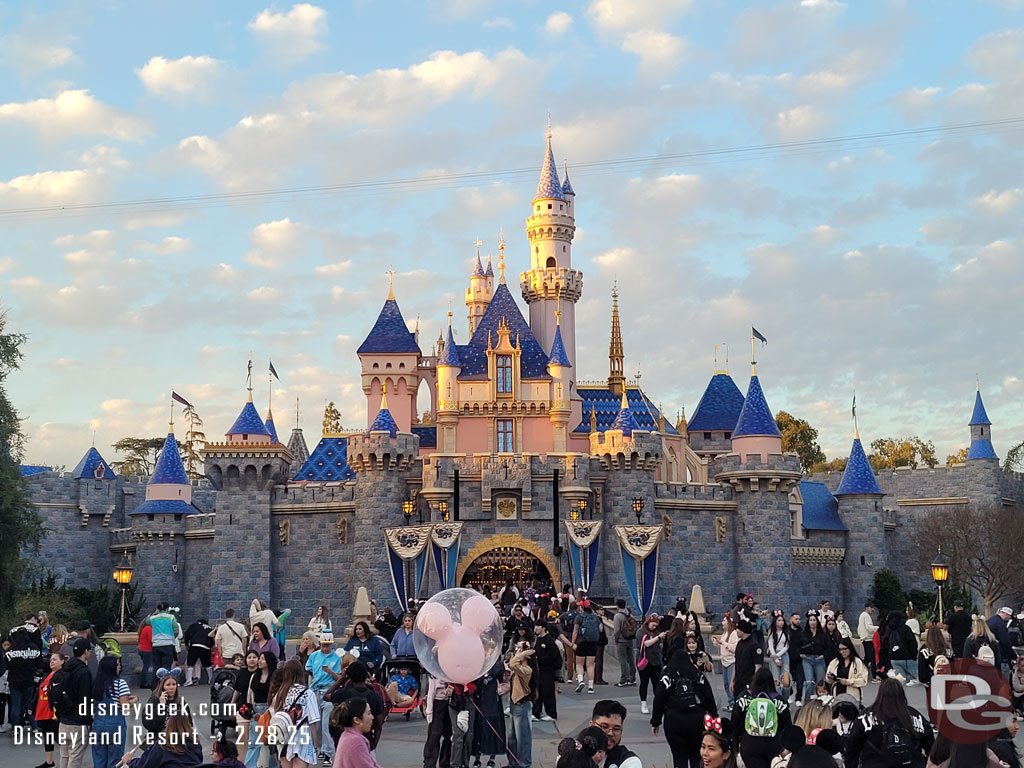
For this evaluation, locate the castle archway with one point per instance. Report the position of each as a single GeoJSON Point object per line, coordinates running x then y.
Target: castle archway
{"type": "Point", "coordinates": [496, 558]}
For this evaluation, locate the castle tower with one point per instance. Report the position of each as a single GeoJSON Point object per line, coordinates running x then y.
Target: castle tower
{"type": "Point", "coordinates": [616, 354]}
{"type": "Point", "coordinates": [550, 230]}
{"type": "Point", "coordinates": [756, 431]}
{"type": "Point", "coordinates": [448, 368]}
{"type": "Point", "coordinates": [559, 368]}
{"type": "Point", "coordinates": [480, 291]}
{"type": "Point", "coordinates": [390, 356]}
{"type": "Point", "coordinates": [984, 477]}
{"type": "Point", "coordinates": [97, 487]}
{"type": "Point", "coordinates": [860, 508]}
{"type": "Point", "coordinates": [269, 424]}
{"type": "Point", "coordinates": [981, 432]}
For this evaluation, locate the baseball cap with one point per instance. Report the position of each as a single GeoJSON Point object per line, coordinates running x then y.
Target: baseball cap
{"type": "Point", "coordinates": [327, 637]}
{"type": "Point", "coordinates": [84, 626]}
{"type": "Point", "coordinates": [80, 646]}
{"type": "Point", "coordinates": [1007, 611]}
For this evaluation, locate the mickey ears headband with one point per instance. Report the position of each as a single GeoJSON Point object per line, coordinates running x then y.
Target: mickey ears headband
{"type": "Point", "coordinates": [713, 724]}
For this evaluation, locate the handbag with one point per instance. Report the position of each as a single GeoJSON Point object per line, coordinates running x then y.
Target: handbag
{"type": "Point", "coordinates": [215, 658]}
{"type": "Point", "coordinates": [263, 723]}
{"type": "Point", "coordinates": [641, 663]}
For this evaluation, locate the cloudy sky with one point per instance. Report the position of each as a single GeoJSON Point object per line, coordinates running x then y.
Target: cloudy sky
{"type": "Point", "coordinates": [889, 260]}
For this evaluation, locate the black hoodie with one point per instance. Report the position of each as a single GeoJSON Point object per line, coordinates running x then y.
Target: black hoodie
{"type": "Point", "coordinates": [25, 657]}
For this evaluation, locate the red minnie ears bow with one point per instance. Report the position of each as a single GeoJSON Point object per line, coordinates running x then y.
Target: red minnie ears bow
{"type": "Point", "coordinates": [813, 738]}
{"type": "Point", "coordinates": [713, 724]}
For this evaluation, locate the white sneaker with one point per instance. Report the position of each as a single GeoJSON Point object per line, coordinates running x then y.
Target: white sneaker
{"type": "Point", "coordinates": [912, 682]}
{"type": "Point", "coordinates": [643, 708]}
{"type": "Point", "coordinates": [579, 688]}
{"type": "Point", "coordinates": [547, 718]}
{"type": "Point", "coordinates": [590, 689]}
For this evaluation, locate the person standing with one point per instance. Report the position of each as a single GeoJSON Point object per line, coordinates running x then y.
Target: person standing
{"type": "Point", "coordinates": [230, 637]}
{"type": "Point", "coordinates": [726, 644]}
{"type": "Point", "coordinates": [165, 631]}
{"type": "Point", "coordinates": [866, 629]}
{"type": "Point", "coordinates": [523, 691]}
{"type": "Point", "coordinates": [262, 641]}
{"type": "Point", "coordinates": [110, 693]}
{"type": "Point", "coordinates": [437, 749]}
{"type": "Point", "coordinates": [759, 717]}
{"type": "Point", "coordinates": [24, 661]}
{"type": "Point", "coordinates": [777, 648]}
{"type": "Point", "coordinates": [873, 741]}
{"type": "Point", "coordinates": [958, 624]}
{"type": "Point", "coordinates": [548, 661]}
{"type": "Point", "coordinates": [402, 640]}
{"type": "Point", "coordinates": [489, 728]}
{"type": "Point", "coordinates": [70, 693]}
{"type": "Point", "coordinates": [356, 721]}
{"type": "Point", "coordinates": [682, 700]}
{"type": "Point", "coordinates": [796, 667]}
{"type": "Point", "coordinates": [813, 646]}
{"type": "Point", "coordinates": [602, 644]}
{"type": "Point", "coordinates": [998, 625]}
{"type": "Point", "coordinates": [624, 635]}
{"type": "Point", "coordinates": [46, 718]}
{"type": "Point", "coordinates": [367, 646]}
{"type": "Point", "coordinates": [146, 679]}
{"type": "Point", "coordinates": [749, 658]}
{"type": "Point", "coordinates": [847, 673]}
{"type": "Point", "coordinates": [320, 621]}
{"type": "Point", "coordinates": [610, 716]}
{"type": "Point", "coordinates": [901, 644]}
{"type": "Point", "coordinates": [649, 662]}
{"type": "Point", "coordinates": [323, 667]}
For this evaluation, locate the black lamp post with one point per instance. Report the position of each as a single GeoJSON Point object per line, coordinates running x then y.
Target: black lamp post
{"type": "Point", "coordinates": [638, 508]}
{"type": "Point", "coordinates": [123, 577]}
{"type": "Point", "coordinates": [407, 509]}
{"type": "Point", "coordinates": [940, 575]}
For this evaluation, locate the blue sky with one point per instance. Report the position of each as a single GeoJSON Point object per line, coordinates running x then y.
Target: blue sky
{"type": "Point", "coordinates": [890, 264]}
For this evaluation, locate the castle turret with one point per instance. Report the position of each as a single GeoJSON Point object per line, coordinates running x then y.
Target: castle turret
{"type": "Point", "coordinates": [269, 424]}
{"type": "Point", "coordinates": [97, 487]}
{"type": "Point", "coordinates": [384, 421]}
{"type": "Point", "coordinates": [756, 431]}
{"type": "Point", "coordinates": [448, 368]}
{"type": "Point", "coordinates": [390, 356]}
{"type": "Point", "coordinates": [860, 507]}
{"type": "Point", "coordinates": [550, 230]}
{"type": "Point", "coordinates": [616, 353]}
{"type": "Point", "coordinates": [249, 428]}
{"type": "Point", "coordinates": [981, 432]}
{"type": "Point", "coordinates": [297, 448]}
{"type": "Point", "coordinates": [559, 368]}
{"type": "Point", "coordinates": [710, 429]}
{"type": "Point", "coordinates": [480, 291]}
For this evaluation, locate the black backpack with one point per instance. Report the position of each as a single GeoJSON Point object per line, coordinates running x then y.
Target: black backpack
{"type": "Point", "coordinates": [898, 744]}
{"type": "Point", "coordinates": [683, 693]}
{"type": "Point", "coordinates": [61, 699]}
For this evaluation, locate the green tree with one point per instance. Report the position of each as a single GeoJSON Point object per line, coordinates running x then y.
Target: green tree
{"type": "Point", "coordinates": [139, 455]}
{"type": "Point", "coordinates": [888, 593]}
{"type": "Point", "coordinates": [832, 465]}
{"type": "Point", "coordinates": [20, 525]}
{"type": "Point", "coordinates": [956, 458]}
{"type": "Point", "coordinates": [889, 453]}
{"type": "Point", "coordinates": [1014, 458]}
{"type": "Point", "coordinates": [195, 441]}
{"type": "Point", "coordinates": [800, 438]}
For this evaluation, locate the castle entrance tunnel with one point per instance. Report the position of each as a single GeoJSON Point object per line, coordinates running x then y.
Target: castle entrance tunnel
{"type": "Point", "coordinates": [491, 570]}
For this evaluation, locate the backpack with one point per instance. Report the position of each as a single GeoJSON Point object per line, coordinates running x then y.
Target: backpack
{"type": "Point", "coordinates": [762, 717]}
{"type": "Point", "coordinates": [568, 619]}
{"type": "Point", "coordinates": [61, 700]}
{"type": "Point", "coordinates": [629, 627]}
{"type": "Point", "coordinates": [682, 693]}
{"type": "Point", "coordinates": [110, 647]}
{"type": "Point", "coordinates": [589, 628]}
{"type": "Point", "coordinates": [280, 730]}
{"type": "Point", "coordinates": [897, 744]}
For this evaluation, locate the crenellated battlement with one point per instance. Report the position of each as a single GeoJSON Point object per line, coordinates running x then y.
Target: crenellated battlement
{"type": "Point", "coordinates": [641, 451]}
{"type": "Point", "coordinates": [781, 471]}
{"type": "Point", "coordinates": [378, 451]}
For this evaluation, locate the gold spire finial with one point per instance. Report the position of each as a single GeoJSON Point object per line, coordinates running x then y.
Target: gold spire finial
{"type": "Point", "coordinates": [549, 126]}
{"type": "Point", "coordinates": [384, 396]}
{"type": "Point", "coordinates": [616, 352]}
{"type": "Point", "coordinates": [478, 242]}
{"type": "Point", "coordinates": [391, 282]}
{"type": "Point", "coordinates": [593, 418]}
{"type": "Point", "coordinates": [501, 259]}
{"type": "Point", "coordinates": [558, 308]}
{"type": "Point", "coordinates": [170, 428]}
{"type": "Point", "coordinates": [624, 405]}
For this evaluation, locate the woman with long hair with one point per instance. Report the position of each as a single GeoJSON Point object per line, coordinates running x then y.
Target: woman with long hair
{"type": "Point", "coordinates": [289, 693]}
{"type": "Point", "coordinates": [716, 745]}
{"type": "Point", "coordinates": [356, 720]}
{"type": "Point", "coordinates": [726, 644]}
{"type": "Point", "coordinates": [870, 742]}
{"type": "Point", "coordinates": [833, 635]}
{"type": "Point", "coordinates": [935, 645]}
{"type": "Point", "coordinates": [847, 673]}
{"type": "Point", "coordinates": [682, 700]}
{"type": "Point", "coordinates": [585, 636]}
{"type": "Point", "coordinates": [649, 659]}
{"type": "Point", "coordinates": [674, 638]}
{"type": "Point", "coordinates": [320, 621]}
{"type": "Point", "coordinates": [258, 697]}
{"type": "Point", "coordinates": [757, 739]}
{"type": "Point", "coordinates": [262, 641]}
{"type": "Point", "coordinates": [176, 745]}
{"type": "Point", "coordinates": [46, 718]}
{"type": "Point", "coordinates": [165, 701]}
{"type": "Point", "coordinates": [813, 647]}
{"type": "Point", "coordinates": [980, 636]}
{"type": "Point", "coordinates": [776, 643]}
{"type": "Point", "coordinates": [367, 646]}
{"type": "Point", "coordinates": [110, 693]}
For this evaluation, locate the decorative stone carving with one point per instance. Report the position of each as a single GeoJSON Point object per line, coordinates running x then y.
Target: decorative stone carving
{"type": "Point", "coordinates": [342, 530]}
{"type": "Point", "coordinates": [666, 524]}
{"type": "Point", "coordinates": [818, 555]}
{"type": "Point", "coordinates": [719, 529]}
{"type": "Point", "coordinates": [284, 531]}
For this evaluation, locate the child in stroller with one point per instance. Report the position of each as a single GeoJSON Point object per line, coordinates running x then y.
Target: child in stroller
{"type": "Point", "coordinates": [222, 711]}
{"type": "Point", "coordinates": [403, 685]}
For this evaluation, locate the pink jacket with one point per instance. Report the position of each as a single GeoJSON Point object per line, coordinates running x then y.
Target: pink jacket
{"type": "Point", "coordinates": [353, 751]}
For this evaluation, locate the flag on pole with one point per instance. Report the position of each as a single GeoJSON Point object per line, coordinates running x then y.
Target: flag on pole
{"type": "Point", "coordinates": [854, 410]}
{"type": "Point", "coordinates": [757, 335]}
{"type": "Point", "coordinates": [180, 399]}
{"type": "Point", "coordinates": [273, 372]}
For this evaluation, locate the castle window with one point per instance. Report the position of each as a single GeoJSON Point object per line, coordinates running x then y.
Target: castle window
{"type": "Point", "coordinates": [506, 435]}
{"type": "Point", "coordinates": [549, 206]}
{"type": "Point", "coordinates": [563, 249]}
{"type": "Point", "coordinates": [504, 374]}
{"type": "Point", "coordinates": [728, 435]}
{"type": "Point", "coordinates": [245, 437]}
{"type": "Point", "coordinates": [551, 262]}
{"type": "Point", "coordinates": [707, 435]}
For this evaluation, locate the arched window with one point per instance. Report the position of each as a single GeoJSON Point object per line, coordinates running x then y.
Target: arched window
{"type": "Point", "coordinates": [551, 262]}
{"type": "Point", "coordinates": [504, 374]}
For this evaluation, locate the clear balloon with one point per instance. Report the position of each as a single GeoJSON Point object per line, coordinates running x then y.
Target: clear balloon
{"type": "Point", "coordinates": [457, 635]}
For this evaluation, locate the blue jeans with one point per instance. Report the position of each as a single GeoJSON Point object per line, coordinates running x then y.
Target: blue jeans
{"type": "Point", "coordinates": [146, 675]}
{"type": "Point", "coordinates": [727, 673]}
{"type": "Point", "coordinates": [814, 670]}
{"type": "Point", "coordinates": [326, 707]}
{"type": "Point", "coordinates": [21, 699]}
{"type": "Point", "coordinates": [109, 734]}
{"type": "Point", "coordinates": [520, 742]}
{"type": "Point", "coordinates": [778, 673]}
{"type": "Point", "coordinates": [252, 755]}
{"type": "Point", "coordinates": [906, 667]}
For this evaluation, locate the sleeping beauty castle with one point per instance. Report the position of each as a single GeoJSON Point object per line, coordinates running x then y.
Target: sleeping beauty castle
{"type": "Point", "coordinates": [520, 470]}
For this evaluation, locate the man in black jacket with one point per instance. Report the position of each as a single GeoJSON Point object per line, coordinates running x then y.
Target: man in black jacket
{"type": "Point", "coordinates": [749, 658]}
{"type": "Point", "coordinates": [549, 661]}
{"type": "Point", "coordinates": [24, 668]}
{"type": "Point", "coordinates": [74, 715]}
{"type": "Point", "coordinates": [958, 624]}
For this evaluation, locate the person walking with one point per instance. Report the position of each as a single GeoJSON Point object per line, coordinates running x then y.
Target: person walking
{"type": "Point", "coordinates": [24, 660]}
{"type": "Point", "coordinates": [356, 721]}
{"type": "Point", "coordinates": [548, 661]}
{"type": "Point", "coordinates": [649, 661]}
{"type": "Point", "coordinates": [489, 728]}
{"type": "Point", "coordinates": [323, 667]}
{"type": "Point", "coordinates": [813, 646]}
{"type": "Point", "coordinates": [682, 701]}
{"type": "Point", "coordinates": [777, 651]}
{"type": "Point", "coordinates": [585, 636]}
{"type": "Point", "coordinates": [890, 732]}
{"type": "Point", "coordinates": [289, 694]}
{"type": "Point", "coordinates": [958, 624]}
{"type": "Point", "coordinates": [567, 613]}
{"type": "Point", "coordinates": [110, 694]}
{"type": "Point", "coordinates": [726, 644]}
{"type": "Point", "coordinates": [624, 628]}
{"type": "Point", "coordinates": [259, 700]}
{"type": "Point", "coordinates": [165, 633]}
{"type": "Point", "coordinates": [230, 637]}
{"type": "Point", "coordinates": [46, 718]}
{"type": "Point", "coordinates": [749, 658]}
{"type": "Point", "coordinates": [437, 748]}
{"type": "Point", "coordinates": [763, 715]}
{"type": "Point", "coordinates": [199, 644]}
{"type": "Point", "coordinates": [70, 694]}
{"type": "Point", "coordinates": [901, 644]}
{"type": "Point", "coordinates": [999, 624]}
{"type": "Point", "coordinates": [847, 673]}
{"type": "Point", "coordinates": [522, 692]}
{"type": "Point", "coordinates": [981, 637]}
{"type": "Point", "coordinates": [145, 648]}
{"type": "Point", "coordinates": [602, 645]}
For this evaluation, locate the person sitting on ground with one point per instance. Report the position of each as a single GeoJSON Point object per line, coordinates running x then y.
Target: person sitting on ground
{"type": "Point", "coordinates": [402, 687]}
{"type": "Point", "coordinates": [176, 745]}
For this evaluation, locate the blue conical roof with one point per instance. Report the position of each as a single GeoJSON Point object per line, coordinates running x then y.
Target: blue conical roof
{"type": "Point", "coordinates": [478, 268]}
{"type": "Point", "coordinates": [979, 417]}
{"type": "Point", "coordinates": [450, 353]}
{"type": "Point", "coordinates": [549, 187]}
{"type": "Point", "coordinates": [719, 407]}
{"type": "Point", "coordinates": [558, 356]}
{"type": "Point", "coordinates": [87, 466]}
{"type": "Point", "coordinates": [269, 424]}
{"type": "Point", "coordinates": [981, 449]}
{"type": "Point", "coordinates": [328, 462]}
{"type": "Point", "coordinates": [389, 334]}
{"type": "Point", "coordinates": [248, 422]}
{"type": "Point", "coordinates": [169, 469]}
{"type": "Point", "coordinates": [755, 416]}
{"type": "Point", "coordinates": [489, 272]}
{"type": "Point", "coordinates": [624, 420]}
{"type": "Point", "coordinates": [858, 477]}
{"type": "Point", "coordinates": [384, 422]}
{"type": "Point", "coordinates": [566, 186]}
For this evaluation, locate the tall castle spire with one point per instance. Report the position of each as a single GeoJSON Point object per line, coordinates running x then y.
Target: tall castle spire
{"type": "Point", "coordinates": [616, 354]}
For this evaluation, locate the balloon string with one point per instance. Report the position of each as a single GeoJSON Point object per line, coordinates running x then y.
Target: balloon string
{"type": "Point", "coordinates": [503, 739]}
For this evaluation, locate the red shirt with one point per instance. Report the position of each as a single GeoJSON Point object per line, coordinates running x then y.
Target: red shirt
{"type": "Point", "coordinates": [43, 709]}
{"type": "Point", "coordinates": [146, 639]}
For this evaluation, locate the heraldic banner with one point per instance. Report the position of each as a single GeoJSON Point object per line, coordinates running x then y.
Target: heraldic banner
{"type": "Point", "coordinates": [639, 547]}
{"type": "Point", "coordinates": [407, 553]}
{"type": "Point", "coordinates": [445, 538]}
{"type": "Point", "coordinates": [584, 549]}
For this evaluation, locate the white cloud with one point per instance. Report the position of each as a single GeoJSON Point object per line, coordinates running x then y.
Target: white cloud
{"type": "Point", "coordinates": [264, 293]}
{"type": "Point", "coordinates": [459, 9]}
{"type": "Point", "coordinates": [799, 122]}
{"type": "Point", "coordinates": [178, 77]}
{"type": "Point", "coordinates": [622, 15]}
{"type": "Point", "coordinates": [999, 203]}
{"type": "Point", "coordinates": [501, 22]}
{"type": "Point", "coordinates": [558, 24]}
{"type": "Point", "coordinates": [52, 187]}
{"type": "Point", "coordinates": [36, 49]}
{"type": "Point", "coordinates": [203, 152]}
{"type": "Point", "coordinates": [294, 35]}
{"type": "Point", "coordinates": [104, 156]}
{"type": "Point", "coordinates": [658, 51]}
{"type": "Point", "coordinates": [172, 244]}
{"type": "Point", "coordinates": [273, 243]}
{"type": "Point", "coordinates": [332, 270]}
{"type": "Point", "coordinates": [830, 5]}
{"type": "Point", "coordinates": [72, 113]}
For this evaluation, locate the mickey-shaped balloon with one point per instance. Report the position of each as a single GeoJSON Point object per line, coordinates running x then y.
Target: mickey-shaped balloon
{"type": "Point", "coordinates": [457, 635]}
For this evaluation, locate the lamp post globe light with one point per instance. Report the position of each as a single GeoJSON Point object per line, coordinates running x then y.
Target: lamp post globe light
{"type": "Point", "coordinates": [940, 575]}
{"type": "Point", "coordinates": [407, 509]}
{"type": "Point", "coordinates": [123, 577]}
{"type": "Point", "coordinates": [581, 509]}
{"type": "Point", "coordinates": [638, 508]}
{"type": "Point", "coordinates": [442, 507]}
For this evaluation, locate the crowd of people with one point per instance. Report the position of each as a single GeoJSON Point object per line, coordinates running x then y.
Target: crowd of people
{"type": "Point", "coordinates": [792, 687]}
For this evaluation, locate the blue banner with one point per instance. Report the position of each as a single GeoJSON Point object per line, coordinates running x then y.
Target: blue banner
{"type": "Point", "coordinates": [638, 546]}
{"type": "Point", "coordinates": [445, 540]}
{"type": "Point", "coordinates": [584, 538]}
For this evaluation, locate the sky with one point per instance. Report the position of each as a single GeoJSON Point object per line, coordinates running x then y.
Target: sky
{"type": "Point", "coordinates": [846, 177]}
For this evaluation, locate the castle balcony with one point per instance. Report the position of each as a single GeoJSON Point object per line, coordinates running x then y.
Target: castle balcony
{"type": "Point", "coordinates": [779, 472]}
{"type": "Point", "coordinates": [550, 283]}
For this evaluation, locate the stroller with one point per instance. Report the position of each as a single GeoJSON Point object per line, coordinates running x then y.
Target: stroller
{"type": "Point", "coordinates": [222, 711]}
{"type": "Point", "coordinates": [391, 667]}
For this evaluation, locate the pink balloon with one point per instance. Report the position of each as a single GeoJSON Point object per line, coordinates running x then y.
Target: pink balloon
{"type": "Point", "coordinates": [434, 621]}
{"type": "Point", "coordinates": [461, 654]}
{"type": "Point", "coordinates": [478, 613]}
